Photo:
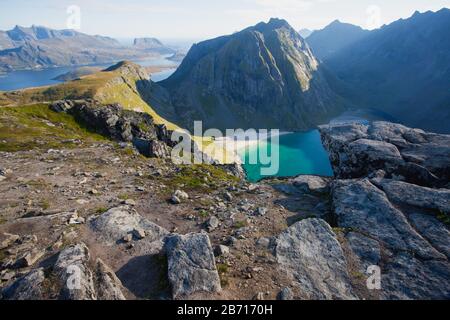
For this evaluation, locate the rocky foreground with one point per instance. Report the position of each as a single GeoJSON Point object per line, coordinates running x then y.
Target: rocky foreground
{"type": "Point", "coordinates": [100, 221]}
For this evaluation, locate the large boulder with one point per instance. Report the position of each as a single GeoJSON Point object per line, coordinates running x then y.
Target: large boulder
{"type": "Point", "coordinates": [307, 184]}
{"type": "Point", "coordinates": [109, 286]}
{"type": "Point", "coordinates": [75, 276]}
{"type": "Point", "coordinates": [117, 223]}
{"type": "Point", "coordinates": [191, 265]}
{"type": "Point", "coordinates": [313, 257]}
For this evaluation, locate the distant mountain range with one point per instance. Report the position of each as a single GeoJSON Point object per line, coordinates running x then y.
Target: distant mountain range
{"type": "Point", "coordinates": [334, 37]}
{"type": "Point", "coordinates": [152, 45]}
{"type": "Point", "coordinates": [40, 47]}
{"type": "Point", "coordinates": [262, 77]}
{"type": "Point", "coordinates": [402, 69]}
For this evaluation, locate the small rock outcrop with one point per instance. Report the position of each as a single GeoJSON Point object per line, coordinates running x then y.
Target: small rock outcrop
{"type": "Point", "coordinates": [76, 278]}
{"type": "Point", "coordinates": [114, 122]}
{"type": "Point", "coordinates": [116, 223]}
{"type": "Point", "coordinates": [109, 287]}
{"type": "Point", "coordinates": [312, 256]}
{"type": "Point", "coordinates": [72, 277]}
{"type": "Point", "coordinates": [191, 265]}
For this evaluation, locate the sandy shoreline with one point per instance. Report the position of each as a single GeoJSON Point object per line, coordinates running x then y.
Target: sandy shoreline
{"type": "Point", "coordinates": [233, 146]}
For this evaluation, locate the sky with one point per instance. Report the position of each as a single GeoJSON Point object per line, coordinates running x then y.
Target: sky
{"type": "Point", "coordinates": [201, 19]}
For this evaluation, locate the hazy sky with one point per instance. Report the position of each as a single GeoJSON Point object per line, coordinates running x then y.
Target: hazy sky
{"type": "Point", "coordinates": [200, 19]}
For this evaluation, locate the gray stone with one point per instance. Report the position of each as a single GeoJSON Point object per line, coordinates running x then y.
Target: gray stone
{"type": "Point", "coordinates": [410, 278]}
{"type": "Point", "coordinates": [212, 223]}
{"type": "Point", "coordinates": [181, 195]}
{"type": "Point", "coordinates": [228, 196]}
{"type": "Point", "coordinates": [309, 184]}
{"type": "Point", "coordinates": [421, 197]}
{"type": "Point", "coordinates": [28, 287]}
{"type": "Point", "coordinates": [128, 238]}
{"type": "Point", "coordinates": [72, 269]}
{"type": "Point", "coordinates": [109, 287]}
{"type": "Point", "coordinates": [365, 249]}
{"type": "Point", "coordinates": [222, 250]}
{"type": "Point", "coordinates": [263, 243]}
{"type": "Point", "coordinates": [8, 240]}
{"type": "Point", "coordinates": [129, 202]}
{"type": "Point", "coordinates": [312, 256]}
{"type": "Point", "coordinates": [425, 157]}
{"type": "Point", "coordinates": [260, 212]}
{"type": "Point", "coordinates": [118, 222]}
{"type": "Point", "coordinates": [361, 206]}
{"type": "Point", "coordinates": [433, 230]}
{"type": "Point", "coordinates": [191, 265]}
{"type": "Point", "coordinates": [286, 294]}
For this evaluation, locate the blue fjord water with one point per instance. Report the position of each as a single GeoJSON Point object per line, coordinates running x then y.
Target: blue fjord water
{"type": "Point", "coordinates": [44, 77]}
{"type": "Point", "coordinates": [300, 153]}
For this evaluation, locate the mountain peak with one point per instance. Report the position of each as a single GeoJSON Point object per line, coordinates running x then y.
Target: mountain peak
{"type": "Point", "coordinates": [129, 69]}
{"type": "Point", "coordinates": [276, 22]}
{"type": "Point", "coordinates": [336, 22]}
{"type": "Point", "coordinates": [239, 79]}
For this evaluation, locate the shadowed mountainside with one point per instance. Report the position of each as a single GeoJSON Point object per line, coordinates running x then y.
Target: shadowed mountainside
{"type": "Point", "coordinates": [262, 77]}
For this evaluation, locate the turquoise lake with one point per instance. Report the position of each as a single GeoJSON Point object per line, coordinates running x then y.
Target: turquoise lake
{"type": "Point", "coordinates": [299, 153]}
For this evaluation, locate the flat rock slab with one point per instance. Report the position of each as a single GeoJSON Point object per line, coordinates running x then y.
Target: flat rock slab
{"type": "Point", "coordinates": [191, 265]}
{"type": "Point", "coordinates": [309, 183]}
{"type": "Point", "coordinates": [311, 254]}
{"type": "Point", "coordinates": [117, 223]}
{"type": "Point", "coordinates": [407, 277]}
{"type": "Point", "coordinates": [433, 230]}
{"type": "Point", "coordinates": [361, 206]}
{"type": "Point", "coordinates": [417, 196]}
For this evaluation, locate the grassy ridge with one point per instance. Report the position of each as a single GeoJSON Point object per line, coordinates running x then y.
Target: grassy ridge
{"type": "Point", "coordinates": [38, 127]}
{"type": "Point", "coordinates": [114, 86]}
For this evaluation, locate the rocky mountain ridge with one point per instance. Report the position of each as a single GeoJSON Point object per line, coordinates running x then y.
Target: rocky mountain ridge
{"type": "Point", "coordinates": [239, 80]}
{"type": "Point", "coordinates": [40, 47]}
{"type": "Point", "coordinates": [383, 69]}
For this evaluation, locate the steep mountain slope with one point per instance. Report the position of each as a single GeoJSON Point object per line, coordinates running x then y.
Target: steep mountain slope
{"type": "Point", "coordinates": [262, 77]}
{"type": "Point", "coordinates": [333, 38]}
{"type": "Point", "coordinates": [402, 69]}
{"type": "Point", "coordinates": [40, 47]}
